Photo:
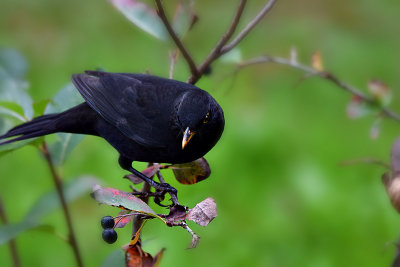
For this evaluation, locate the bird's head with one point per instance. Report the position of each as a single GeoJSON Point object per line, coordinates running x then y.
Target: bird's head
{"type": "Point", "coordinates": [199, 117]}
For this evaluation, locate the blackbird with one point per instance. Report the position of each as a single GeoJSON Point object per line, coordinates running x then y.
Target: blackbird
{"type": "Point", "coordinates": [145, 118]}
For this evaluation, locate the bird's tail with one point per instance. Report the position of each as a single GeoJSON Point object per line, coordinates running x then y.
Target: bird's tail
{"type": "Point", "coordinates": [39, 126]}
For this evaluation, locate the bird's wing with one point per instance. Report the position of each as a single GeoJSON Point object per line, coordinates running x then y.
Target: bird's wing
{"type": "Point", "coordinates": [133, 106]}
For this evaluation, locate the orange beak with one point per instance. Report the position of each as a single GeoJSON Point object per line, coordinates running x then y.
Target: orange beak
{"type": "Point", "coordinates": [187, 135]}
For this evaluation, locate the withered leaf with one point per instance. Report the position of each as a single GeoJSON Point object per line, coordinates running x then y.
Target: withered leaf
{"type": "Point", "coordinates": [135, 256]}
{"type": "Point", "coordinates": [176, 213]}
{"type": "Point", "coordinates": [191, 172]}
{"type": "Point", "coordinates": [204, 212]}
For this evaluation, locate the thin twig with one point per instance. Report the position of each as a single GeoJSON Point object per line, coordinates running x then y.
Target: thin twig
{"type": "Point", "coordinates": [138, 220]}
{"type": "Point", "coordinates": [58, 183]}
{"type": "Point", "coordinates": [13, 246]}
{"type": "Point", "coordinates": [172, 57]}
{"type": "Point", "coordinates": [249, 27]}
{"type": "Point", "coordinates": [216, 51]}
{"type": "Point", "coordinates": [175, 38]}
{"type": "Point", "coordinates": [367, 161]}
{"type": "Point", "coordinates": [195, 237]}
{"type": "Point", "coordinates": [325, 75]}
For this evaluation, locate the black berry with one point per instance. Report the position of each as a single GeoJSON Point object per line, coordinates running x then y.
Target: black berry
{"type": "Point", "coordinates": [107, 222]}
{"type": "Point", "coordinates": [109, 235]}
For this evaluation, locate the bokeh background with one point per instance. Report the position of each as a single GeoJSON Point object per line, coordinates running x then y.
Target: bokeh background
{"type": "Point", "coordinates": [283, 198]}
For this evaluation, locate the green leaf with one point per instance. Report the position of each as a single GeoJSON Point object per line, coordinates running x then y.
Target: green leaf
{"type": "Point", "coordinates": [5, 124]}
{"type": "Point", "coordinates": [49, 202]}
{"type": "Point", "coordinates": [4, 149]}
{"type": "Point", "coordinates": [13, 62]}
{"type": "Point", "coordinates": [233, 56]}
{"type": "Point", "coordinates": [142, 16]}
{"type": "Point", "coordinates": [46, 204]}
{"type": "Point", "coordinates": [64, 145]}
{"type": "Point", "coordinates": [40, 106]}
{"type": "Point", "coordinates": [14, 90]}
{"type": "Point", "coordinates": [115, 259]}
{"type": "Point", "coordinates": [10, 231]}
{"type": "Point", "coordinates": [121, 199]}
{"type": "Point", "coordinates": [12, 84]}
{"type": "Point", "coordinates": [11, 113]}
{"type": "Point", "coordinates": [192, 172]}
{"type": "Point", "coordinates": [66, 98]}
{"type": "Point", "coordinates": [184, 18]}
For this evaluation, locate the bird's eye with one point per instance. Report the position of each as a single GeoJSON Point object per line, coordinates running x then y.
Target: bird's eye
{"type": "Point", "coordinates": [206, 118]}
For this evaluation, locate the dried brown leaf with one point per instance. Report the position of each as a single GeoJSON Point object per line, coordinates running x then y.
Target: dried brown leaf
{"type": "Point", "coordinates": [204, 212]}
{"type": "Point", "coordinates": [176, 213]}
{"type": "Point", "coordinates": [135, 256]}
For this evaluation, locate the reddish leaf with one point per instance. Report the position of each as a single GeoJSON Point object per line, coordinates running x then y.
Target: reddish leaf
{"type": "Point", "coordinates": [121, 199]}
{"type": "Point", "coordinates": [204, 212]}
{"type": "Point", "coordinates": [120, 222]}
{"type": "Point", "coordinates": [135, 256]}
{"type": "Point", "coordinates": [192, 172]}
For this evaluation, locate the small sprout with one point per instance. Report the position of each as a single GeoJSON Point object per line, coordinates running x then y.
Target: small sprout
{"type": "Point", "coordinates": [109, 235]}
{"type": "Point", "coordinates": [316, 61]}
{"type": "Point", "coordinates": [107, 222]}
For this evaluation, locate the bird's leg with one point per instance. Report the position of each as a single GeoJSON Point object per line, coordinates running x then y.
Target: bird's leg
{"type": "Point", "coordinates": [162, 187]}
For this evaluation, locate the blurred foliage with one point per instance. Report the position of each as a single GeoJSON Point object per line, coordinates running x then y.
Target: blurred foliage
{"type": "Point", "coordinates": [283, 199]}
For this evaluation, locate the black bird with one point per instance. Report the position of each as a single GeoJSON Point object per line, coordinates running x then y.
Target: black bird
{"type": "Point", "coordinates": [145, 118]}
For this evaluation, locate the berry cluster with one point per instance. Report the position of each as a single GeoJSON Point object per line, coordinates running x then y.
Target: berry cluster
{"type": "Point", "coordinates": [109, 234]}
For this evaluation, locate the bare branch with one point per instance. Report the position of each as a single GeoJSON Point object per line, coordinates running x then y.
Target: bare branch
{"type": "Point", "coordinates": [371, 161]}
{"type": "Point", "coordinates": [13, 246]}
{"type": "Point", "coordinates": [172, 57]}
{"type": "Point", "coordinates": [175, 38]}
{"type": "Point", "coordinates": [323, 74]}
{"type": "Point", "coordinates": [58, 183]}
{"type": "Point", "coordinates": [249, 27]}
{"type": "Point", "coordinates": [216, 51]}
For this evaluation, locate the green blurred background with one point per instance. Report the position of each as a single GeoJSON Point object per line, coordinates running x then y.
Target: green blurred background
{"type": "Point", "coordinates": [283, 199]}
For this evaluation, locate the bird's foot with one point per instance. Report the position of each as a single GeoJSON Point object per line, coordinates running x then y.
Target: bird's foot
{"type": "Point", "coordinates": [164, 187]}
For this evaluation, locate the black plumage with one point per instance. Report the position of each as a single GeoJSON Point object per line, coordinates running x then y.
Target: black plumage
{"type": "Point", "coordinates": [145, 118]}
